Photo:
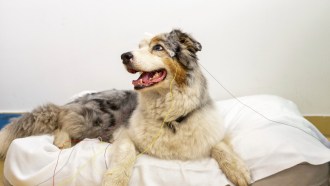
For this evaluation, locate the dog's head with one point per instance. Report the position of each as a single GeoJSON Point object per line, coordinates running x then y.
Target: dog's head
{"type": "Point", "coordinates": [163, 58]}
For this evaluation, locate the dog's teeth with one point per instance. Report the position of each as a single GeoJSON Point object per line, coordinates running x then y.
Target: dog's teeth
{"type": "Point", "coordinates": [156, 75]}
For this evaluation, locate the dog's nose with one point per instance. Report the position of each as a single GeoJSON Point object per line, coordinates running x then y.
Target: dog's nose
{"type": "Point", "coordinates": [126, 57]}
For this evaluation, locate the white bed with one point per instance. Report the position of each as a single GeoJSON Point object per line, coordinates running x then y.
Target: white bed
{"type": "Point", "coordinates": [267, 148]}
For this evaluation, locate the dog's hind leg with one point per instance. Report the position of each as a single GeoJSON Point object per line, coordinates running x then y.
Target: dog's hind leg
{"type": "Point", "coordinates": [62, 139]}
{"type": "Point", "coordinates": [231, 164]}
{"type": "Point", "coordinates": [7, 135]}
{"type": "Point", "coordinates": [17, 128]}
{"type": "Point", "coordinates": [123, 156]}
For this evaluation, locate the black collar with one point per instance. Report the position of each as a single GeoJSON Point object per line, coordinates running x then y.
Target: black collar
{"type": "Point", "coordinates": [172, 124]}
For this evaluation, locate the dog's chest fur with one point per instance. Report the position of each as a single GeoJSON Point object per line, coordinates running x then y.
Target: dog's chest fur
{"type": "Point", "coordinates": [193, 138]}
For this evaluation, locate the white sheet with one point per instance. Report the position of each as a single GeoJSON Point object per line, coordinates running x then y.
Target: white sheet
{"type": "Point", "coordinates": [267, 148]}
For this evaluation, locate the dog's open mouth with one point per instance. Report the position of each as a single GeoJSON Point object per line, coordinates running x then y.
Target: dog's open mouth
{"type": "Point", "coordinates": [148, 79]}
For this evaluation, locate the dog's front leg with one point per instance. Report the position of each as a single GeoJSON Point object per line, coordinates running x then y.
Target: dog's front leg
{"type": "Point", "coordinates": [122, 159]}
{"type": "Point", "coordinates": [231, 164]}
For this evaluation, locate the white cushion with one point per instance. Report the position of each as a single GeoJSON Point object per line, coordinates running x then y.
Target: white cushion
{"type": "Point", "coordinates": [267, 147]}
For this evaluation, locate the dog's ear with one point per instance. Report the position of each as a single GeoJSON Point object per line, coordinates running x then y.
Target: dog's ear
{"type": "Point", "coordinates": [186, 40]}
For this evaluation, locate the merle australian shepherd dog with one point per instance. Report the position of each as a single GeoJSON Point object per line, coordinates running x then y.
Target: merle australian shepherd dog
{"type": "Point", "coordinates": [173, 101]}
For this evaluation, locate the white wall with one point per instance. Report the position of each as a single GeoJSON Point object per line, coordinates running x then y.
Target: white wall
{"type": "Point", "coordinates": [52, 49]}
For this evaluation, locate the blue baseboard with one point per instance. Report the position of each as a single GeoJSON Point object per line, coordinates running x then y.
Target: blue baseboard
{"type": "Point", "coordinates": [5, 118]}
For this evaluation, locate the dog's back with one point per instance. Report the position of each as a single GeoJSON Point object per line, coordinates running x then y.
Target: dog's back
{"type": "Point", "coordinates": [90, 116]}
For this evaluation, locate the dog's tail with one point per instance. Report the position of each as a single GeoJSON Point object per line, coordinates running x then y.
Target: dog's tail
{"type": "Point", "coordinates": [42, 120]}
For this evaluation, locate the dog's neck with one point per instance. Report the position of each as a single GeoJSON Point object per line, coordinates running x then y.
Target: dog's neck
{"type": "Point", "coordinates": [170, 106]}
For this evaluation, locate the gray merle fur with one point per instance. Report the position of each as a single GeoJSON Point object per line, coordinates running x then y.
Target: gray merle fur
{"type": "Point", "coordinates": [91, 116]}
{"type": "Point", "coordinates": [184, 47]}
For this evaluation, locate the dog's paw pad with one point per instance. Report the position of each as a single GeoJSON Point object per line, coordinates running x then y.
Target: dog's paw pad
{"type": "Point", "coordinates": [62, 145]}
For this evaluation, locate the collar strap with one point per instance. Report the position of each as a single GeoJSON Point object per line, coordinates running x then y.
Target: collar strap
{"type": "Point", "coordinates": [172, 124]}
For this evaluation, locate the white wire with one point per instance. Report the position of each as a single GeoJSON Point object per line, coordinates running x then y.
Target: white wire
{"type": "Point", "coordinates": [244, 104]}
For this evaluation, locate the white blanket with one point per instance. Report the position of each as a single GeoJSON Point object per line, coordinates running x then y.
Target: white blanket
{"type": "Point", "coordinates": [267, 147]}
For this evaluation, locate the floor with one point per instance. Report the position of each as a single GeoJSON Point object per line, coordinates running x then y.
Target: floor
{"type": "Point", "coordinates": [322, 123]}
{"type": "Point", "coordinates": [1, 175]}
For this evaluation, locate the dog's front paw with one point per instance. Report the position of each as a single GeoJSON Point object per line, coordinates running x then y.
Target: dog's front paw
{"type": "Point", "coordinates": [115, 177]}
{"type": "Point", "coordinates": [231, 164]}
{"type": "Point", "coordinates": [242, 173]}
{"type": "Point", "coordinates": [62, 139]}
{"type": "Point", "coordinates": [237, 173]}
{"type": "Point", "coordinates": [240, 177]}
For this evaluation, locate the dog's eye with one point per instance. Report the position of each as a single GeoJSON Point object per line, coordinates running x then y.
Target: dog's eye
{"type": "Point", "coordinates": [158, 48]}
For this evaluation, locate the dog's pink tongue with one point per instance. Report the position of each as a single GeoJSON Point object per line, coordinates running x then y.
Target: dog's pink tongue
{"type": "Point", "coordinates": [143, 79]}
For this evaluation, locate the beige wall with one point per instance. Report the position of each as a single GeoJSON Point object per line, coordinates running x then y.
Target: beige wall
{"type": "Point", "coordinates": [50, 50]}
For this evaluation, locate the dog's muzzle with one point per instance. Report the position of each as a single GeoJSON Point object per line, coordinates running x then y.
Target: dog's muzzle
{"type": "Point", "coordinates": [127, 57]}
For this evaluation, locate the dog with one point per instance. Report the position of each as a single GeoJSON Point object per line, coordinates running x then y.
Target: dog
{"type": "Point", "coordinates": [95, 115]}
{"type": "Point", "coordinates": [173, 101]}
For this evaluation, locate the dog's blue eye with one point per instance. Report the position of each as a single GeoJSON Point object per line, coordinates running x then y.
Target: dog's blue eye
{"type": "Point", "coordinates": [158, 48]}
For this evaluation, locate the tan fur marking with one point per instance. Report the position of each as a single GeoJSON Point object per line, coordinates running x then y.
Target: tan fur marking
{"type": "Point", "coordinates": [175, 67]}
{"type": "Point", "coordinates": [156, 39]}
